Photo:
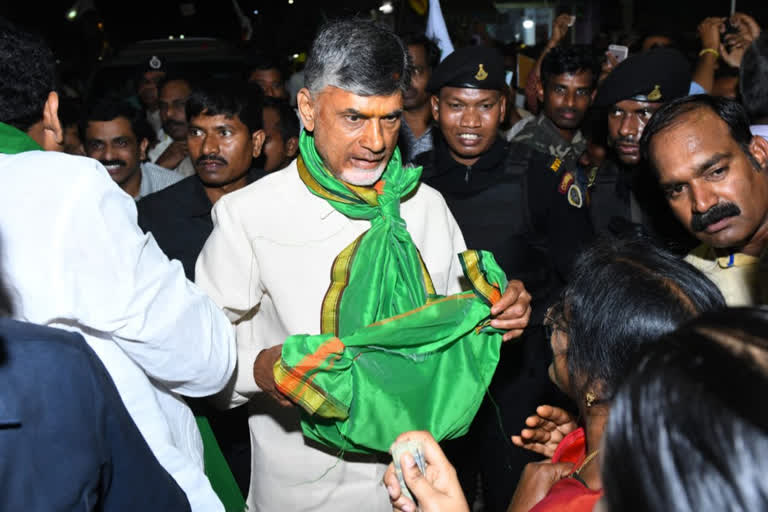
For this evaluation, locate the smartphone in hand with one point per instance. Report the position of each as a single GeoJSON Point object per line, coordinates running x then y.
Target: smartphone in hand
{"type": "Point", "coordinates": [618, 52]}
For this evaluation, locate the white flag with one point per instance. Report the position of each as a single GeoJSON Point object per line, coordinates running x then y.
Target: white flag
{"type": "Point", "coordinates": [436, 29]}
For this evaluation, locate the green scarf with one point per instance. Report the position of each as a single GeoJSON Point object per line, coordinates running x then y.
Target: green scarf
{"type": "Point", "coordinates": [380, 274]}
{"type": "Point", "coordinates": [13, 141]}
{"type": "Point", "coordinates": [392, 356]}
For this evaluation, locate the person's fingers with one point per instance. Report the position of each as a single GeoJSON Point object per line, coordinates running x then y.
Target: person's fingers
{"type": "Point", "coordinates": [534, 421]}
{"type": "Point", "coordinates": [537, 436]}
{"type": "Point", "coordinates": [509, 297]}
{"type": "Point", "coordinates": [515, 315]}
{"type": "Point", "coordinates": [403, 504]}
{"type": "Point", "coordinates": [415, 480]}
{"type": "Point", "coordinates": [556, 415]}
{"type": "Point", "coordinates": [392, 483]}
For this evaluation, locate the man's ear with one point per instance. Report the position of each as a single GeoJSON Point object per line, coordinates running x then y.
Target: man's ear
{"type": "Point", "coordinates": [435, 103]}
{"type": "Point", "coordinates": [540, 91]}
{"type": "Point", "coordinates": [143, 145]}
{"type": "Point", "coordinates": [758, 148]}
{"type": "Point", "coordinates": [53, 133]}
{"type": "Point", "coordinates": [292, 147]}
{"type": "Point", "coordinates": [306, 105]}
{"type": "Point", "coordinates": [503, 106]}
{"type": "Point", "coordinates": [257, 138]}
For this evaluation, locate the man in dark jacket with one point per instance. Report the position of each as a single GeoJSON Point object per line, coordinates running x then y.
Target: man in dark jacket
{"type": "Point", "coordinates": [529, 210]}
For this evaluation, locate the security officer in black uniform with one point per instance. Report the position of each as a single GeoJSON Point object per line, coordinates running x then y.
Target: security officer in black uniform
{"type": "Point", "coordinates": [526, 208]}
{"type": "Point", "coordinates": [625, 195]}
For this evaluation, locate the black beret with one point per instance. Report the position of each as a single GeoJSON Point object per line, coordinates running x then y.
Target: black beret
{"type": "Point", "coordinates": [473, 67]}
{"type": "Point", "coordinates": [153, 63]}
{"type": "Point", "coordinates": [658, 75]}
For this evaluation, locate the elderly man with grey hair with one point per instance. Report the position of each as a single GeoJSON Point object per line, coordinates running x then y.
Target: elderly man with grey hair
{"type": "Point", "coordinates": [285, 249]}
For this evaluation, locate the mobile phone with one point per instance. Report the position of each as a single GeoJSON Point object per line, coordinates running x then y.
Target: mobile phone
{"type": "Point", "coordinates": [729, 29]}
{"type": "Point", "coordinates": [618, 51]}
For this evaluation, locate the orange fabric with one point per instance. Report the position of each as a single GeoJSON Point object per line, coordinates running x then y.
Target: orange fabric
{"type": "Point", "coordinates": [310, 362]}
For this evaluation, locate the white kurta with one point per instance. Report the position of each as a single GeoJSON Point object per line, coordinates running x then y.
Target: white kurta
{"type": "Point", "coordinates": [75, 259]}
{"type": "Point", "coordinates": [267, 264]}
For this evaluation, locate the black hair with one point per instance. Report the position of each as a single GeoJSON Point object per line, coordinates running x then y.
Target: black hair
{"type": "Point", "coordinates": [176, 76]}
{"type": "Point", "coordinates": [624, 294]}
{"type": "Point", "coordinates": [570, 59]}
{"type": "Point", "coordinates": [753, 78]}
{"type": "Point", "coordinates": [688, 430]}
{"type": "Point", "coordinates": [223, 97]}
{"type": "Point", "coordinates": [289, 121]}
{"type": "Point", "coordinates": [263, 62]}
{"type": "Point", "coordinates": [359, 56]}
{"type": "Point", "coordinates": [27, 76]}
{"type": "Point", "coordinates": [730, 111]}
{"type": "Point", "coordinates": [108, 108]}
{"type": "Point", "coordinates": [431, 48]}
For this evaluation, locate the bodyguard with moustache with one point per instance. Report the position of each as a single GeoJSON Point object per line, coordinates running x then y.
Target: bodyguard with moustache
{"type": "Point", "coordinates": [714, 175]}
{"type": "Point", "coordinates": [524, 207]}
{"type": "Point", "coordinates": [625, 195]}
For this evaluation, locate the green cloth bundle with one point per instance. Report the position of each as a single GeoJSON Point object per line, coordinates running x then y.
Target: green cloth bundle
{"type": "Point", "coordinates": [426, 369]}
{"type": "Point", "coordinates": [393, 355]}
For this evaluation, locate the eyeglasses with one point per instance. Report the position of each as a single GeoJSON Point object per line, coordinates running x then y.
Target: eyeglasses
{"type": "Point", "coordinates": [553, 320]}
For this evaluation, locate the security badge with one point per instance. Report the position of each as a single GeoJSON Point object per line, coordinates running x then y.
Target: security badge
{"type": "Point", "coordinates": [655, 94]}
{"type": "Point", "coordinates": [571, 190]}
{"type": "Point", "coordinates": [481, 73]}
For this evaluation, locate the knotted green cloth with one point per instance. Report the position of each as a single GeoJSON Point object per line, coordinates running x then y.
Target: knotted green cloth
{"type": "Point", "coordinates": [381, 273]}
{"type": "Point", "coordinates": [393, 356]}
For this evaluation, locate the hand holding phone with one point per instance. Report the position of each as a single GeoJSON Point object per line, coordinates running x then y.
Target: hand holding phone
{"type": "Point", "coordinates": [618, 52]}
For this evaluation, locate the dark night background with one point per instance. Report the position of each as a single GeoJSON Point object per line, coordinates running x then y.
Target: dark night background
{"type": "Point", "coordinates": [286, 29]}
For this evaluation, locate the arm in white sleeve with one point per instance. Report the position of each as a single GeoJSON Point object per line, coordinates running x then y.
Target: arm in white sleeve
{"type": "Point", "coordinates": [118, 282]}
{"type": "Point", "coordinates": [228, 271]}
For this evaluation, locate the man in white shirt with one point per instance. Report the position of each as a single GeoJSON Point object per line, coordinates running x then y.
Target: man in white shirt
{"type": "Point", "coordinates": [75, 259]}
{"type": "Point", "coordinates": [269, 258]}
{"type": "Point", "coordinates": [117, 135]}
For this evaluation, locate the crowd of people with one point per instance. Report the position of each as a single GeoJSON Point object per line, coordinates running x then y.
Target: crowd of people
{"type": "Point", "coordinates": [162, 254]}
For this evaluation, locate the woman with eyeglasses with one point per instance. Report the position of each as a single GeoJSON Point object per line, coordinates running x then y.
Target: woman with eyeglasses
{"type": "Point", "coordinates": [622, 296]}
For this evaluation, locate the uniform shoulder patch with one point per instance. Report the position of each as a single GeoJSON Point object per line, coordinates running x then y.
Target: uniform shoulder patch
{"type": "Point", "coordinates": [575, 197]}
{"type": "Point", "coordinates": [565, 183]}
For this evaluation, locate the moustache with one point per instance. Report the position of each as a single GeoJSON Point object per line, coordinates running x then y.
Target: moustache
{"type": "Point", "coordinates": [107, 163]}
{"type": "Point", "coordinates": [210, 158]}
{"type": "Point", "coordinates": [701, 221]}
{"type": "Point", "coordinates": [567, 111]}
{"type": "Point", "coordinates": [170, 124]}
{"type": "Point", "coordinates": [629, 139]}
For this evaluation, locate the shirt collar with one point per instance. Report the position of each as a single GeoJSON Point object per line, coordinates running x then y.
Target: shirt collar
{"type": "Point", "coordinates": [734, 259]}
